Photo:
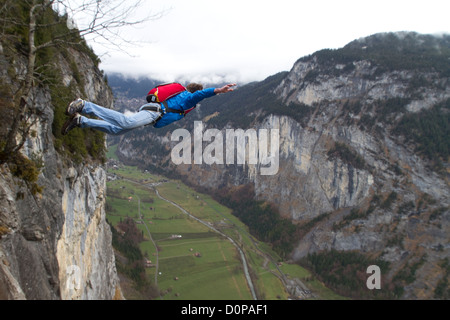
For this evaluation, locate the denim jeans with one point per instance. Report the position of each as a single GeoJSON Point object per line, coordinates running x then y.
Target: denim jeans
{"type": "Point", "coordinates": [114, 122]}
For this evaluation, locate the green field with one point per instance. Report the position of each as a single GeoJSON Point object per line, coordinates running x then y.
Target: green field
{"type": "Point", "coordinates": [194, 261]}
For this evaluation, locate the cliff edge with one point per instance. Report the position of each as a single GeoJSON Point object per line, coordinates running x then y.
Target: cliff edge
{"type": "Point", "coordinates": [55, 242]}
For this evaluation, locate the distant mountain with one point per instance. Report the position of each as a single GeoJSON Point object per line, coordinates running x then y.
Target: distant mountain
{"type": "Point", "coordinates": [364, 162]}
{"type": "Point", "coordinates": [127, 87]}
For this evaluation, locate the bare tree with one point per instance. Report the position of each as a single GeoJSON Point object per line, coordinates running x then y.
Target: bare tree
{"type": "Point", "coordinates": [102, 22]}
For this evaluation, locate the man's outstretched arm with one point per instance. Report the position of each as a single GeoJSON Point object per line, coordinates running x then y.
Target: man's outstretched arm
{"type": "Point", "coordinates": [191, 100]}
{"type": "Point", "coordinates": [225, 89]}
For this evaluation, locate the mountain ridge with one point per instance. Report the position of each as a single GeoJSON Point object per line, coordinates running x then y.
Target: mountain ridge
{"type": "Point", "coordinates": [363, 154]}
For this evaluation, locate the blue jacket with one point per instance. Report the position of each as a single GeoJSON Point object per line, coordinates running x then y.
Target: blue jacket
{"type": "Point", "coordinates": [183, 101]}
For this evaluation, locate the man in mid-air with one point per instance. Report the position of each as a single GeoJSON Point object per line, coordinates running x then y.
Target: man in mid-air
{"type": "Point", "coordinates": [158, 114]}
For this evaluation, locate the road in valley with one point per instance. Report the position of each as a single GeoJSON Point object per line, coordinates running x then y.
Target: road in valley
{"type": "Point", "coordinates": [296, 286]}
{"type": "Point", "coordinates": [244, 260]}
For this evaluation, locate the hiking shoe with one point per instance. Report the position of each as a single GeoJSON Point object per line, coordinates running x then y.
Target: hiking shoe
{"type": "Point", "coordinates": [73, 122]}
{"type": "Point", "coordinates": [75, 107]}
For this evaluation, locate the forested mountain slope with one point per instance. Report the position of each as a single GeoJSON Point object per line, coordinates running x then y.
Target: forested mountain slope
{"type": "Point", "coordinates": [363, 159]}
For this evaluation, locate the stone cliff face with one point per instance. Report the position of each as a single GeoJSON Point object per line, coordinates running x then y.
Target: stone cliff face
{"type": "Point", "coordinates": [338, 184]}
{"type": "Point", "coordinates": [56, 244]}
{"type": "Point", "coordinates": [343, 161]}
{"type": "Point", "coordinates": [84, 247]}
{"type": "Point", "coordinates": [402, 232]}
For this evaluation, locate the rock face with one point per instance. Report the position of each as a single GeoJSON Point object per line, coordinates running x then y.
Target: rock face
{"type": "Point", "coordinates": [343, 157]}
{"type": "Point", "coordinates": [84, 247]}
{"type": "Point", "coordinates": [56, 244]}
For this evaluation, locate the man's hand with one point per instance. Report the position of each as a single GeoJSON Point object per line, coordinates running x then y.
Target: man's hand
{"type": "Point", "coordinates": [225, 89]}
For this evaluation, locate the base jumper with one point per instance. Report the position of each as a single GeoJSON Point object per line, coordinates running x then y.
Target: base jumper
{"type": "Point", "coordinates": [158, 114]}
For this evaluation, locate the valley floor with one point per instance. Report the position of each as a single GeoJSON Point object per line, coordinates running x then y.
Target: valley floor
{"type": "Point", "coordinates": [195, 249]}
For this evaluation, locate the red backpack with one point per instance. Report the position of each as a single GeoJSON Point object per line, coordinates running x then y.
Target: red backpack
{"type": "Point", "coordinates": [164, 91]}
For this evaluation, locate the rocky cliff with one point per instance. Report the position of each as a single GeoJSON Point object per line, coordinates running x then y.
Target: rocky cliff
{"type": "Point", "coordinates": [363, 153]}
{"type": "Point", "coordinates": [54, 240]}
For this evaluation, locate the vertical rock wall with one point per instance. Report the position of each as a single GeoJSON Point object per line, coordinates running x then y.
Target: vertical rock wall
{"type": "Point", "coordinates": [56, 244]}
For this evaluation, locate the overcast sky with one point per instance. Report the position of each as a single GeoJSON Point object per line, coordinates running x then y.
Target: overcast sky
{"type": "Point", "coordinates": [248, 40]}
